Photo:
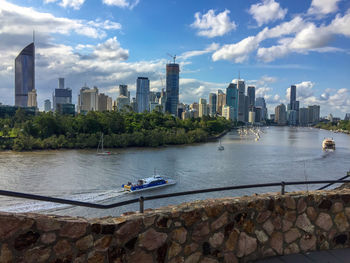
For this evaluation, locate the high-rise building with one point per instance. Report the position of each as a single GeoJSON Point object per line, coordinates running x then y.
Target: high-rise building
{"type": "Point", "coordinates": [87, 100]}
{"type": "Point", "coordinates": [24, 75]}
{"type": "Point", "coordinates": [123, 90]}
{"type": "Point", "coordinates": [303, 116]}
{"type": "Point", "coordinates": [347, 117]}
{"type": "Point", "coordinates": [122, 102]}
{"type": "Point", "coordinates": [281, 114]}
{"type": "Point", "coordinates": [314, 114]}
{"type": "Point", "coordinates": [251, 117]}
{"type": "Point", "coordinates": [104, 102]}
{"type": "Point", "coordinates": [292, 117]}
{"type": "Point", "coordinates": [195, 108]}
{"type": "Point", "coordinates": [142, 94]}
{"type": "Point", "coordinates": [172, 88]}
{"type": "Point", "coordinates": [246, 108]}
{"type": "Point", "coordinates": [251, 97]}
{"type": "Point", "coordinates": [202, 108]}
{"type": "Point", "coordinates": [133, 104]}
{"type": "Point", "coordinates": [221, 101]}
{"type": "Point", "coordinates": [47, 105]}
{"type": "Point", "coordinates": [293, 105]}
{"type": "Point", "coordinates": [293, 95]}
{"type": "Point", "coordinates": [241, 100]}
{"type": "Point", "coordinates": [232, 99]}
{"type": "Point", "coordinates": [260, 102]}
{"type": "Point", "coordinates": [258, 117]}
{"type": "Point", "coordinates": [228, 112]}
{"type": "Point", "coordinates": [212, 104]}
{"type": "Point", "coordinates": [32, 99]}
{"type": "Point", "coordinates": [61, 95]}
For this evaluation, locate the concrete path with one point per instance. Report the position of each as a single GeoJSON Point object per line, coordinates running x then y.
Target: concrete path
{"type": "Point", "coordinates": [329, 256]}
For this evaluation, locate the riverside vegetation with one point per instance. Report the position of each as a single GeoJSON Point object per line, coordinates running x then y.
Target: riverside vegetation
{"type": "Point", "coordinates": [121, 129]}
{"type": "Point", "coordinates": [341, 126]}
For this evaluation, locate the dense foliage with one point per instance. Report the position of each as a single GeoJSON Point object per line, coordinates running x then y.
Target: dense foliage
{"type": "Point", "coordinates": [120, 129]}
{"type": "Point", "coordinates": [341, 125]}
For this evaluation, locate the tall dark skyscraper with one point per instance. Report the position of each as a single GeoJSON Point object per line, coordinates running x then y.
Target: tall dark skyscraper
{"type": "Point", "coordinates": [251, 97]}
{"type": "Point", "coordinates": [172, 88]}
{"type": "Point", "coordinates": [142, 94]}
{"type": "Point", "coordinates": [24, 75]}
{"type": "Point", "coordinates": [293, 96]}
{"type": "Point", "coordinates": [123, 90]}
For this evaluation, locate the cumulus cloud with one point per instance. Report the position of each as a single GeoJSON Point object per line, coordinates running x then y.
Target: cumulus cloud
{"type": "Point", "coordinates": [122, 3]}
{"type": "Point", "coordinates": [75, 4]}
{"type": "Point", "coordinates": [267, 11]}
{"type": "Point", "coordinates": [212, 25]}
{"type": "Point", "coordinates": [323, 7]}
{"type": "Point", "coordinates": [192, 89]}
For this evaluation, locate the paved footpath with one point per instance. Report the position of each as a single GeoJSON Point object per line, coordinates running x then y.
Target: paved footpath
{"type": "Point", "coordinates": [325, 256]}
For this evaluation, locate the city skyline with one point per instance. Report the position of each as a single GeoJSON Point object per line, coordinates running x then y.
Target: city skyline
{"type": "Point", "coordinates": [84, 48]}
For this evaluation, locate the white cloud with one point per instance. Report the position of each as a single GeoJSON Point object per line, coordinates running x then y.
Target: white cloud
{"type": "Point", "coordinates": [212, 25]}
{"type": "Point", "coordinates": [304, 90]}
{"type": "Point", "coordinates": [122, 3]}
{"type": "Point", "coordinates": [75, 4]}
{"type": "Point", "coordinates": [267, 11]}
{"type": "Point", "coordinates": [193, 53]}
{"type": "Point", "coordinates": [192, 89]}
{"type": "Point", "coordinates": [17, 20]}
{"type": "Point", "coordinates": [323, 7]}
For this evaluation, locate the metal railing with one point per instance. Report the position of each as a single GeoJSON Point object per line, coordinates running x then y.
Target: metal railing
{"type": "Point", "coordinates": [142, 199]}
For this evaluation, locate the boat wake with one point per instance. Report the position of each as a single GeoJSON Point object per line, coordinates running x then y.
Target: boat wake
{"type": "Point", "coordinates": [21, 206]}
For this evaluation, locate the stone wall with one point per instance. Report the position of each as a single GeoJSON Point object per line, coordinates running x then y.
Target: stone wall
{"type": "Point", "coordinates": [216, 230]}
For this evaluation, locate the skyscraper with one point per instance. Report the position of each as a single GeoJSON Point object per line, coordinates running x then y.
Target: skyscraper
{"type": "Point", "coordinates": [232, 99]}
{"type": "Point", "coordinates": [251, 97]}
{"type": "Point", "coordinates": [24, 75]}
{"type": "Point", "coordinates": [202, 106]}
{"type": "Point", "coordinates": [241, 100]}
{"type": "Point", "coordinates": [260, 102]}
{"type": "Point", "coordinates": [123, 90]}
{"type": "Point", "coordinates": [87, 100]}
{"type": "Point", "coordinates": [281, 114]}
{"type": "Point", "coordinates": [172, 88]}
{"type": "Point", "coordinates": [221, 101]}
{"type": "Point", "coordinates": [293, 105]}
{"type": "Point", "coordinates": [61, 83]}
{"type": "Point", "coordinates": [142, 94]}
{"type": "Point", "coordinates": [47, 105]}
{"type": "Point", "coordinates": [293, 96]}
{"type": "Point", "coordinates": [61, 95]}
{"type": "Point", "coordinates": [212, 104]}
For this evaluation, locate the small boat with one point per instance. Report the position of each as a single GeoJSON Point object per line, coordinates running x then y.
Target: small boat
{"type": "Point", "coordinates": [328, 144]}
{"type": "Point", "coordinates": [221, 147]}
{"type": "Point", "coordinates": [156, 181]}
{"type": "Point", "coordinates": [101, 151]}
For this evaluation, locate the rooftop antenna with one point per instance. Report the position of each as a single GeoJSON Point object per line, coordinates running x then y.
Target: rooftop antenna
{"type": "Point", "coordinates": [174, 57]}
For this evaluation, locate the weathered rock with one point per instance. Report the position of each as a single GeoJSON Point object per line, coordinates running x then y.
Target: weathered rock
{"type": "Point", "coordinates": [290, 216]}
{"type": "Point", "coordinates": [291, 235]}
{"type": "Point", "coordinates": [301, 207]}
{"type": "Point", "coordinates": [37, 255]}
{"type": "Point", "coordinates": [262, 237]}
{"type": "Point", "coordinates": [128, 231]}
{"type": "Point", "coordinates": [47, 224]}
{"type": "Point", "coordinates": [102, 244]}
{"type": "Point", "coordinates": [308, 243]}
{"type": "Point", "coordinates": [304, 223]}
{"type": "Point", "coordinates": [221, 221]}
{"type": "Point", "coordinates": [230, 258]}
{"type": "Point", "coordinates": [26, 240]}
{"type": "Point", "coordinates": [246, 245]}
{"type": "Point", "coordinates": [340, 239]}
{"type": "Point", "coordinates": [179, 235]}
{"type": "Point", "coordinates": [213, 210]}
{"type": "Point", "coordinates": [292, 249]}
{"type": "Point", "coordinates": [311, 213]}
{"type": "Point", "coordinates": [268, 226]}
{"type": "Point", "coordinates": [189, 249]}
{"type": "Point", "coordinates": [177, 260]}
{"type": "Point", "coordinates": [209, 260]}
{"type": "Point", "coordinates": [269, 252]}
{"type": "Point", "coordinates": [6, 254]}
{"type": "Point", "coordinates": [48, 238]}
{"type": "Point", "coordinates": [194, 258]}
{"type": "Point", "coordinates": [263, 216]}
{"type": "Point", "coordinates": [148, 220]}
{"type": "Point", "coordinates": [191, 217]}
{"type": "Point", "coordinates": [200, 231]}
{"type": "Point", "coordinates": [325, 204]}
{"type": "Point", "coordinates": [62, 247]}
{"type": "Point", "coordinates": [341, 222]}
{"type": "Point", "coordinates": [96, 257]}
{"type": "Point", "coordinates": [286, 225]}
{"type": "Point", "coordinates": [248, 226]}
{"type": "Point", "coordinates": [337, 207]}
{"type": "Point", "coordinates": [85, 242]}
{"type": "Point", "coordinates": [324, 221]}
{"type": "Point", "coordinates": [290, 202]}
{"type": "Point", "coordinates": [139, 256]}
{"type": "Point", "coordinates": [276, 242]}
{"type": "Point", "coordinates": [163, 222]}
{"type": "Point", "coordinates": [174, 250]}
{"type": "Point", "coordinates": [347, 212]}
{"type": "Point", "coordinates": [232, 240]}
{"type": "Point", "coordinates": [277, 223]}
{"type": "Point", "coordinates": [152, 239]}
{"type": "Point", "coordinates": [73, 229]}
{"type": "Point", "coordinates": [8, 226]}
{"type": "Point", "coordinates": [216, 240]}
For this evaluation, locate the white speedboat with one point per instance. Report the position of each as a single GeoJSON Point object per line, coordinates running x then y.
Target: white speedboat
{"type": "Point", "coordinates": [156, 181]}
{"type": "Point", "coordinates": [328, 144]}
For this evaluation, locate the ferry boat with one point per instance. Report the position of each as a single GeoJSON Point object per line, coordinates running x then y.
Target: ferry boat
{"type": "Point", "coordinates": [328, 143]}
{"type": "Point", "coordinates": [156, 181]}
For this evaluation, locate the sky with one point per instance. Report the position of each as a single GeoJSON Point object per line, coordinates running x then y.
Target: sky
{"type": "Point", "coordinates": [271, 44]}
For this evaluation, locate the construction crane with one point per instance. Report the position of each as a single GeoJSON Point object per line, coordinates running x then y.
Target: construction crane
{"type": "Point", "coordinates": [173, 57]}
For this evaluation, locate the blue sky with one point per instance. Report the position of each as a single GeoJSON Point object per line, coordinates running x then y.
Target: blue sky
{"type": "Point", "coordinates": [273, 44]}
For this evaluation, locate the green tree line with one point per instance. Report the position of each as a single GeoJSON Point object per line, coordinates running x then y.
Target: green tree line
{"type": "Point", "coordinates": [120, 129]}
{"type": "Point", "coordinates": [340, 125]}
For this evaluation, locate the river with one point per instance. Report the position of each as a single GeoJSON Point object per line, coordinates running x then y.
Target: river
{"type": "Point", "coordinates": [281, 154]}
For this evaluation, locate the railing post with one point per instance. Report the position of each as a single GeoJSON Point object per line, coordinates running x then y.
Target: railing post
{"type": "Point", "coordinates": [283, 184]}
{"type": "Point", "coordinates": [141, 201]}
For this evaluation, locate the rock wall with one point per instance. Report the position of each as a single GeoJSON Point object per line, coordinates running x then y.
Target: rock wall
{"type": "Point", "coordinates": [216, 230]}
